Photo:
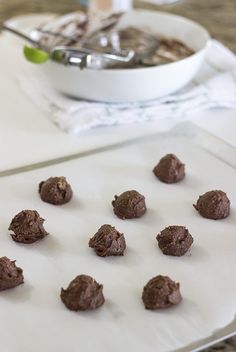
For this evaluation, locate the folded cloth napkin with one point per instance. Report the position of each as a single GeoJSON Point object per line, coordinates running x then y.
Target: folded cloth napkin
{"type": "Point", "coordinates": [214, 86]}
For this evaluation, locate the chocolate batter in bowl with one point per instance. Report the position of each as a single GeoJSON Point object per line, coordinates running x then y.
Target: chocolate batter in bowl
{"type": "Point", "coordinates": [158, 78]}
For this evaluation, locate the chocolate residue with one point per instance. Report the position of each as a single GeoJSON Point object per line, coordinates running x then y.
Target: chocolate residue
{"type": "Point", "coordinates": [151, 49]}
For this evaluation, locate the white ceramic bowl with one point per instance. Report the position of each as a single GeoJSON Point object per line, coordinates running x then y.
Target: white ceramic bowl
{"type": "Point", "coordinates": [141, 84]}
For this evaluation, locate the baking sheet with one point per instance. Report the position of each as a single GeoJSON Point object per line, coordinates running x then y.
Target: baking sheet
{"type": "Point", "coordinates": [33, 313]}
{"type": "Point", "coordinates": [219, 336]}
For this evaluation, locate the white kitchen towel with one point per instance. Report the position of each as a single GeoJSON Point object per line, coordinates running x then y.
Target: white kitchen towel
{"type": "Point", "coordinates": [214, 86]}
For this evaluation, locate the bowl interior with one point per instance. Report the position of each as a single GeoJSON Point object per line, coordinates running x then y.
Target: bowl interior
{"type": "Point", "coordinates": [168, 25]}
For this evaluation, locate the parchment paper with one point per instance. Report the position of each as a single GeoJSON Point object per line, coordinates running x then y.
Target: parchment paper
{"type": "Point", "coordinates": [32, 315]}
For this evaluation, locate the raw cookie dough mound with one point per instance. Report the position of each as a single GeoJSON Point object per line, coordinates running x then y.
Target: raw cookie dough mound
{"type": "Point", "coordinates": [27, 227]}
{"type": "Point", "coordinates": [83, 293]}
{"type": "Point", "coordinates": [10, 275]}
{"type": "Point", "coordinates": [169, 169]}
{"type": "Point", "coordinates": [108, 242]}
{"type": "Point", "coordinates": [55, 190]}
{"type": "Point", "coordinates": [161, 292]}
{"type": "Point", "coordinates": [129, 205]}
{"type": "Point", "coordinates": [213, 205]}
{"type": "Point", "coordinates": [174, 240]}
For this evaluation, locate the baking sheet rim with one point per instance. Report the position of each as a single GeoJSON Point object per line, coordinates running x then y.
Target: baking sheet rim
{"type": "Point", "coordinates": [203, 139]}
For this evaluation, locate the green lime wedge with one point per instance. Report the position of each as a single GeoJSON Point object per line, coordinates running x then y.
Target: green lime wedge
{"type": "Point", "coordinates": [35, 55]}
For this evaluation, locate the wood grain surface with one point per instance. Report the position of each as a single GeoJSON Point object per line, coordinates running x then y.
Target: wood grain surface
{"type": "Point", "coordinates": [218, 16]}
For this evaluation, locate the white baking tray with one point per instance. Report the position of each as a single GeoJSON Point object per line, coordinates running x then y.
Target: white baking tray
{"type": "Point", "coordinates": [33, 313]}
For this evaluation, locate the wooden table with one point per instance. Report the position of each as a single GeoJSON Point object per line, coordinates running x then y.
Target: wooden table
{"type": "Point", "coordinates": [218, 16]}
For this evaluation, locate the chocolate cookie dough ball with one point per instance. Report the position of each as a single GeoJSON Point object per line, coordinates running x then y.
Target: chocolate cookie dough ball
{"type": "Point", "coordinates": [129, 205]}
{"type": "Point", "coordinates": [56, 190]}
{"type": "Point", "coordinates": [161, 292]}
{"type": "Point", "coordinates": [10, 275]}
{"type": "Point", "coordinates": [169, 169]}
{"type": "Point", "coordinates": [83, 293]}
{"type": "Point", "coordinates": [213, 205]}
{"type": "Point", "coordinates": [108, 242]}
{"type": "Point", "coordinates": [27, 227]}
{"type": "Point", "coordinates": [174, 240]}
